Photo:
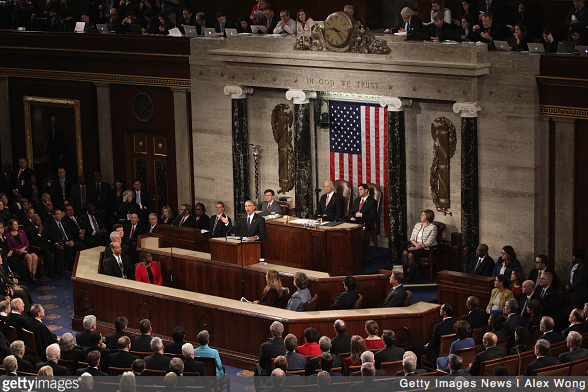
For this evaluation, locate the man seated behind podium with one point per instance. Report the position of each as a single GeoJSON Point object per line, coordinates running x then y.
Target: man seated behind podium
{"type": "Point", "coordinates": [365, 208]}
{"type": "Point", "coordinates": [118, 265]}
{"type": "Point", "coordinates": [184, 218]}
{"type": "Point", "coordinates": [331, 204]}
{"type": "Point", "coordinates": [250, 225]}
{"type": "Point", "coordinates": [270, 204]}
{"type": "Point", "coordinates": [220, 224]}
{"type": "Point", "coordinates": [397, 295]}
{"type": "Point", "coordinates": [408, 23]}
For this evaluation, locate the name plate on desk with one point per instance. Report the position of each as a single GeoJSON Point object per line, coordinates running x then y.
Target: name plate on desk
{"type": "Point", "coordinates": [235, 251]}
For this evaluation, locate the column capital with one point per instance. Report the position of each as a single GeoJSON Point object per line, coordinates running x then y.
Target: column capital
{"type": "Point", "coordinates": [395, 104]}
{"type": "Point", "coordinates": [467, 109]}
{"type": "Point", "coordinates": [238, 92]}
{"type": "Point", "coordinates": [300, 97]}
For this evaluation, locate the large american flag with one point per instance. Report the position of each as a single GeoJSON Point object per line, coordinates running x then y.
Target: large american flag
{"type": "Point", "coordinates": [359, 148]}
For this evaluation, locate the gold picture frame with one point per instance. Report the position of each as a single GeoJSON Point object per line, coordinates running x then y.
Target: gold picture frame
{"type": "Point", "coordinates": [36, 111]}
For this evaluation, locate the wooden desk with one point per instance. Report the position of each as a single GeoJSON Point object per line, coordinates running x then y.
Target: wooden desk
{"type": "Point", "coordinates": [456, 287]}
{"type": "Point", "coordinates": [183, 237]}
{"type": "Point", "coordinates": [336, 250]}
{"type": "Point", "coordinates": [235, 252]}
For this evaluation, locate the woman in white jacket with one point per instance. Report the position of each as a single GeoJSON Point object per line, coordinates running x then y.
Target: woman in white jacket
{"type": "Point", "coordinates": [424, 235]}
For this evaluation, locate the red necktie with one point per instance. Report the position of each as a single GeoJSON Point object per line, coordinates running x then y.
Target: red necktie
{"type": "Point", "coordinates": [132, 232]}
{"type": "Point", "coordinates": [268, 206]}
{"type": "Point", "coordinates": [360, 205]}
{"type": "Point", "coordinates": [183, 220]}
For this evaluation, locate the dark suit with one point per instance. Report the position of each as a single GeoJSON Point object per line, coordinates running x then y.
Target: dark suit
{"type": "Point", "coordinates": [415, 25]}
{"type": "Point", "coordinates": [43, 336]}
{"type": "Point", "coordinates": [523, 302]}
{"type": "Point", "coordinates": [139, 229]}
{"type": "Point", "coordinates": [272, 24]}
{"type": "Point", "coordinates": [388, 354]}
{"type": "Point", "coordinates": [219, 229]}
{"type": "Point", "coordinates": [47, 248]}
{"type": "Point", "coordinates": [496, 10]}
{"type": "Point", "coordinates": [228, 25]}
{"type": "Point", "coordinates": [495, 31]}
{"type": "Point", "coordinates": [24, 366]}
{"type": "Point", "coordinates": [256, 227]}
{"type": "Point", "coordinates": [477, 318]}
{"type": "Point", "coordinates": [574, 327]}
{"type": "Point", "coordinates": [314, 363]}
{"type": "Point", "coordinates": [332, 211]}
{"type": "Point", "coordinates": [486, 355]}
{"type": "Point", "coordinates": [112, 268]}
{"type": "Point", "coordinates": [92, 370]}
{"type": "Point", "coordinates": [6, 183]}
{"type": "Point", "coordinates": [141, 343]}
{"type": "Point", "coordinates": [395, 298]}
{"type": "Point", "coordinates": [551, 337]}
{"type": "Point", "coordinates": [104, 356]}
{"type": "Point", "coordinates": [445, 327]}
{"type": "Point", "coordinates": [485, 268]}
{"type": "Point", "coordinates": [368, 385]}
{"type": "Point", "coordinates": [551, 304]}
{"type": "Point", "coordinates": [57, 193]}
{"type": "Point", "coordinates": [94, 239]}
{"type": "Point", "coordinates": [174, 347]}
{"type": "Point", "coordinates": [18, 321]}
{"type": "Point", "coordinates": [82, 338]}
{"type": "Point", "coordinates": [572, 355]}
{"type": "Point", "coordinates": [188, 222]}
{"type": "Point", "coordinates": [533, 276]}
{"type": "Point", "coordinates": [191, 365]}
{"type": "Point", "coordinates": [513, 321]}
{"type": "Point", "coordinates": [341, 344]}
{"type": "Point", "coordinates": [369, 210]}
{"type": "Point", "coordinates": [157, 361]}
{"type": "Point", "coordinates": [55, 236]}
{"type": "Point", "coordinates": [76, 199]}
{"type": "Point", "coordinates": [345, 300]}
{"type": "Point", "coordinates": [121, 359]}
{"type": "Point", "coordinates": [58, 370]}
{"type": "Point", "coordinates": [267, 351]}
{"type": "Point", "coordinates": [296, 361]}
{"type": "Point", "coordinates": [99, 194]}
{"type": "Point", "coordinates": [439, 32]}
{"type": "Point", "coordinates": [379, 373]}
{"type": "Point", "coordinates": [275, 207]}
{"type": "Point", "coordinates": [579, 283]}
{"type": "Point", "coordinates": [539, 363]}
{"type": "Point", "coordinates": [111, 340]}
{"type": "Point", "coordinates": [23, 182]}
{"type": "Point", "coordinates": [203, 222]}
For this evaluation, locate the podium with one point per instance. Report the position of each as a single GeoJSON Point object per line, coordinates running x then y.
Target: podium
{"type": "Point", "coordinates": [455, 287]}
{"type": "Point", "coordinates": [183, 237]}
{"type": "Point", "coordinates": [235, 251]}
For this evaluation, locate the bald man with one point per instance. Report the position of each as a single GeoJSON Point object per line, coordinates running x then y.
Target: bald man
{"type": "Point", "coordinates": [491, 352]}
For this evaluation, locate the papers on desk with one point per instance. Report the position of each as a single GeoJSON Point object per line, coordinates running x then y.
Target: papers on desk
{"type": "Point", "coordinates": [236, 238]}
{"type": "Point", "coordinates": [204, 231]}
{"type": "Point", "coordinates": [332, 224]}
{"type": "Point", "coordinates": [175, 32]}
{"type": "Point", "coordinates": [401, 33]}
{"type": "Point", "coordinates": [303, 221]}
{"type": "Point", "coordinates": [243, 299]}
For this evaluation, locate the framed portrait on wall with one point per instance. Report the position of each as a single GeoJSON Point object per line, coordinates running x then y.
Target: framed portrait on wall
{"type": "Point", "coordinates": [53, 131]}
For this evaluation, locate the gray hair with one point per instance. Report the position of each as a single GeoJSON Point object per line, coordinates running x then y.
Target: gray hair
{"type": "Point", "coordinates": [176, 365]}
{"type": "Point", "coordinates": [323, 379]}
{"type": "Point", "coordinates": [575, 338]}
{"type": "Point", "coordinates": [438, 16]}
{"type": "Point", "coordinates": [156, 345]}
{"type": "Point", "coordinates": [409, 361]}
{"type": "Point", "coordinates": [16, 347]}
{"type": "Point", "coordinates": [87, 381]}
{"type": "Point", "coordinates": [513, 305]}
{"type": "Point", "coordinates": [278, 376]}
{"type": "Point", "coordinates": [277, 328]}
{"type": "Point", "coordinates": [153, 214]}
{"type": "Point", "coordinates": [125, 193]}
{"type": "Point", "coordinates": [368, 369]}
{"type": "Point", "coordinates": [188, 350]}
{"type": "Point", "coordinates": [407, 11]}
{"type": "Point", "coordinates": [455, 361]}
{"type": "Point", "coordinates": [170, 380]}
{"type": "Point", "coordinates": [325, 343]}
{"type": "Point", "coordinates": [89, 321]}
{"type": "Point", "coordinates": [16, 303]}
{"type": "Point", "coordinates": [52, 352]}
{"type": "Point", "coordinates": [367, 356]}
{"type": "Point", "coordinates": [4, 305]}
{"type": "Point", "coordinates": [127, 382]}
{"type": "Point", "coordinates": [9, 363]}
{"type": "Point", "coordinates": [114, 235]}
{"type": "Point", "coordinates": [542, 346]}
{"type": "Point", "coordinates": [66, 342]}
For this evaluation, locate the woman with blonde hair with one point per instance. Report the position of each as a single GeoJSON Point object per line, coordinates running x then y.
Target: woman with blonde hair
{"type": "Point", "coordinates": [127, 383]}
{"type": "Point", "coordinates": [166, 215]}
{"type": "Point", "coordinates": [272, 293]}
{"type": "Point", "coordinates": [357, 348]}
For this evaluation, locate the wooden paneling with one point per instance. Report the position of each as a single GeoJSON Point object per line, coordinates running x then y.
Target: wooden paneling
{"type": "Point", "coordinates": [239, 253]}
{"type": "Point", "coordinates": [183, 237]}
{"type": "Point", "coordinates": [581, 185]}
{"type": "Point", "coordinates": [456, 287]}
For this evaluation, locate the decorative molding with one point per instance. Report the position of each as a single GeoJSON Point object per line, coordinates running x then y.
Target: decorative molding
{"type": "Point", "coordinates": [467, 109]}
{"type": "Point", "coordinates": [300, 97]}
{"type": "Point", "coordinates": [395, 104]}
{"type": "Point", "coordinates": [95, 78]}
{"type": "Point", "coordinates": [143, 311]}
{"type": "Point", "coordinates": [348, 96]}
{"type": "Point", "coordinates": [238, 92]}
{"type": "Point", "coordinates": [562, 111]}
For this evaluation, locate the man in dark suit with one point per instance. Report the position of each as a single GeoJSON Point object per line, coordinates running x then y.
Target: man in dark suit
{"type": "Point", "coordinates": [528, 294]}
{"type": "Point", "coordinates": [119, 265]}
{"type": "Point", "coordinates": [330, 205]}
{"type": "Point", "coordinates": [391, 353]}
{"type": "Point", "coordinates": [270, 20]}
{"type": "Point", "coordinates": [493, 7]}
{"type": "Point", "coordinates": [550, 299]}
{"type": "Point", "coordinates": [578, 283]}
{"type": "Point", "coordinates": [445, 327]}
{"type": "Point", "coordinates": [22, 216]}
{"type": "Point", "coordinates": [271, 349]}
{"type": "Point", "coordinates": [10, 366]}
{"type": "Point", "coordinates": [546, 326]}
{"type": "Point", "coordinates": [133, 229]}
{"type": "Point", "coordinates": [91, 223]}
{"type": "Point", "coordinates": [185, 219]}
{"type": "Point", "coordinates": [120, 325]}
{"type": "Point", "coordinates": [574, 341]}
{"type": "Point", "coordinates": [347, 298]}
{"type": "Point", "coordinates": [542, 347]}
{"type": "Point", "coordinates": [541, 266]}
{"type": "Point", "coordinates": [93, 359]}
{"type": "Point", "coordinates": [397, 295]}
{"type": "Point", "coordinates": [325, 364]}
{"type": "Point", "coordinates": [407, 23]}
{"type": "Point", "coordinates": [368, 357]}
{"type": "Point", "coordinates": [365, 208]}
{"type": "Point", "coordinates": [142, 198]}
{"type": "Point", "coordinates": [43, 336]}
{"type": "Point", "coordinates": [490, 352]}
{"type": "Point", "coordinates": [489, 31]}
{"type": "Point", "coordinates": [122, 358]}
{"type": "Point", "coordinates": [454, 362]}
{"type": "Point", "coordinates": [7, 182]}
{"type": "Point", "coordinates": [477, 317]}
{"type": "Point", "coordinates": [481, 264]}
{"type": "Point", "coordinates": [78, 197]}
{"type": "Point", "coordinates": [38, 236]}
{"type": "Point", "coordinates": [53, 354]}
{"type": "Point", "coordinates": [295, 361]}
{"type": "Point", "coordinates": [220, 223]}
{"type": "Point", "coordinates": [17, 348]}
{"type": "Point", "coordinates": [178, 335]}
{"type": "Point", "coordinates": [368, 371]}
{"type": "Point", "coordinates": [22, 177]}
{"type": "Point", "coordinates": [60, 189]}
{"type": "Point", "coordinates": [576, 320]}
{"type": "Point", "coordinates": [142, 343]}
{"type": "Point", "coordinates": [513, 319]}
{"type": "Point", "coordinates": [70, 220]}
{"type": "Point", "coordinates": [314, 363]}
{"type": "Point", "coordinates": [152, 226]}
{"type": "Point", "coordinates": [409, 366]}
{"type": "Point", "coordinates": [89, 324]}
{"type": "Point", "coordinates": [16, 318]}
{"type": "Point", "coordinates": [99, 194]}
{"type": "Point", "coordinates": [96, 344]}
{"type": "Point", "coordinates": [190, 364]}
{"type": "Point", "coordinates": [253, 223]}
{"type": "Point", "coordinates": [157, 361]}
{"type": "Point", "coordinates": [342, 342]}
{"type": "Point", "coordinates": [438, 31]}
{"type": "Point", "coordinates": [60, 235]}
{"type": "Point", "coordinates": [270, 205]}
{"type": "Point", "coordinates": [222, 24]}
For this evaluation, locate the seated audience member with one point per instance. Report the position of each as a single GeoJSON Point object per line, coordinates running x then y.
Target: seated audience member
{"type": "Point", "coordinates": [527, 294]}
{"type": "Point", "coordinates": [407, 23]}
{"type": "Point", "coordinates": [148, 271]}
{"type": "Point", "coordinates": [17, 348]}
{"type": "Point", "coordinates": [303, 22]}
{"type": "Point", "coordinates": [91, 223]}
{"type": "Point", "coordinates": [205, 351]}
{"type": "Point", "coordinates": [391, 353]}
{"type": "Point", "coordinates": [150, 24]}
{"type": "Point", "coordinates": [122, 358]}
{"type": "Point", "coordinates": [157, 361]}
{"type": "Point", "coordinates": [201, 220]}
{"type": "Point", "coordinates": [165, 25]}
{"type": "Point", "coordinates": [439, 6]}
{"type": "Point", "coordinates": [550, 40]}
{"type": "Point", "coordinates": [468, 9]}
{"type": "Point", "coordinates": [185, 218]}
{"type": "Point", "coordinates": [513, 319]}
{"type": "Point", "coordinates": [68, 13]}
{"type": "Point", "coordinates": [409, 366]}
{"type": "Point", "coordinates": [325, 347]}
{"type": "Point", "coordinates": [270, 204]}
{"type": "Point", "coordinates": [454, 364]}
{"type": "Point", "coordinates": [272, 293]}
{"type": "Point", "coordinates": [133, 228]}
{"type": "Point", "coordinates": [542, 348]}
{"type": "Point", "coordinates": [127, 382]}
{"type": "Point", "coordinates": [463, 330]}
{"type": "Point", "coordinates": [424, 235]}
{"type": "Point", "coordinates": [342, 342]}
{"type": "Point", "coordinates": [128, 206]}
{"type": "Point", "coordinates": [53, 355]}
{"type": "Point", "coordinates": [368, 357]}
{"type": "Point", "coordinates": [500, 294]}
{"type": "Point", "coordinates": [89, 324]}
{"type": "Point", "coordinates": [577, 285]}
{"type": "Point", "coordinates": [578, 15]}
{"type": "Point", "coordinates": [96, 344]}
{"type": "Point", "coordinates": [347, 298]}
{"type": "Point", "coordinates": [521, 38]}
{"type": "Point", "coordinates": [190, 364]}
{"type": "Point", "coordinates": [38, 238]}
{"type": "Point", "coordinates": [169, 382]}
{"type": "Point", "coordinates": [278, 378]}
{"type": "Point", "coordinates": [445, 327]}
{"type": "Point", "coordinates": [397, 294]}
{"type": "Point", "coordinates": [286, 25]}
{"type": "Point", "coordinates": [202, 22]}
{"type": "Point", "coordinates": [490, 352]}
{"type": "Point", "coordinates": [364, 208]}
{"type": "Point", "coordinates": [489, 31]}
{"type": "Point", "coordinates": [325, 364]}
{"type": "Point", "coordinates": [330, 206]}
{"type": "Point", "coordinates": [271, 349]}
{"type": "Point", "coordinates": [373, 341]}
{"type": "Point", "coordinates": [153, 221]}
{"type": "Point", "coordinates": [43, 336]}
{"type": "Point", "coordinates": [496, 323]}
{"type": "Point", "coordinates": [244, 25]}
{"type": "Point", "coordinates": [142, 343]}
{"type": "Point", "coordinates": [175, 347]}
{"type": "Point", "coordinates": [10, 365]}
{"type": "Point", "coordinates": [166, 215]}
{"type": "Point", "coordinates": [534, 310]}
{"type": "Point", "coordinates": [118, 265]}
{"type": "Point", "coordinates": [550, 299]}
{"type": "Point", "coordinates": [541, 266]}
{"type": "Point", "coordinates": [516, 282]}
{"type": "Point", "coordinates": [310, 346]}
{"type": "Point", "coordinates": [546, 326]}
{"type": "Point", "coordinates": [573, 341]}
{"type": "Point", "coordinates": [438, 30]}
{"type": "Point", "coordinates": [93, 359]}
{"type": "Point", "coordinates": [576, 320]}
{"type": "Point", "coordinates": [221, 223]}
{"type": "Point", "coordinates": [481, 264]}
{"type": "Point", "coordinates": [357, 348]}
{"type": "Point", "coordinates": [506, 262]}
{"type": "Point", "coordinates": [282, 363]}
{"type": "Point", "coordinates": [222, 24]}
{"type": "Point", "coordinates": [295, 361]}
{"type": "Point", "coordinates": [301, 296]}
{"type": "Point", "coordinates": [522, 341]}
{"type": "Point", "coordinates": [188, 18]}
{"type": "Point", "coordinates": [138, 368]}
{"type": "Point", "coordinates": [476, 317]}
{"type": "Point", "coordinates": [270, 20]}
{"type": "Point", "coordinates": [67, 349]}
{"type": "Point", "coordinates": [20, 247]}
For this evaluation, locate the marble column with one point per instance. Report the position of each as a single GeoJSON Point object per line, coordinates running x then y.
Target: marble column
{"type": "Point", "coordinates": [470, 217]}
{"type": "Point", "coordinates": [240, 138]}
{"type": "Point", "coordinates": [105, 131]}
{"type": "Point", "coordinates": [302, 151]}
{"type": "Point", "coordinates": [182, 144]}
{"type": "Point", "coordinates": [396, 175]}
